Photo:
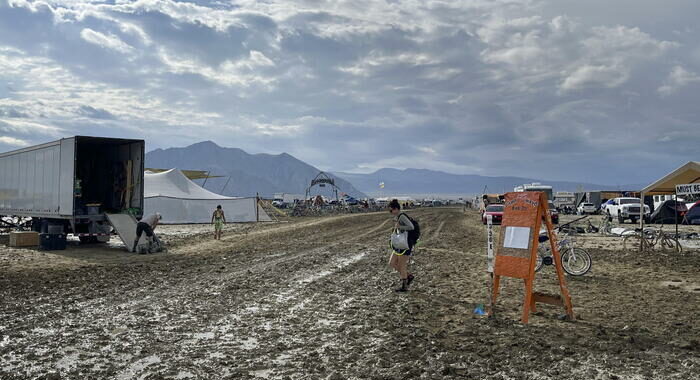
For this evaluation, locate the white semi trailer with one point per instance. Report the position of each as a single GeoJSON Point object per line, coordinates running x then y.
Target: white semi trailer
{"type": "Point", "coordinates": [69, 185]}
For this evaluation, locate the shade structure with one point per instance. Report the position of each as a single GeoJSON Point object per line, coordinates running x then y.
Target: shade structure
{"type": "Point", "coordinates": [688, 173]}
{"type": "Point", "coordinates": [182, 201]}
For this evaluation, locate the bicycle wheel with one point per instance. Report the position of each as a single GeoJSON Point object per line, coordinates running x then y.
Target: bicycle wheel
{"type": "Point", "coordinates": [670, 244]}
{"type": "Point", "coordinates": [541, 253]}
{"type": "Point", "coordinates": [576, 261]}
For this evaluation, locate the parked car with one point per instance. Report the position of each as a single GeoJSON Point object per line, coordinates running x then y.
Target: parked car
{"type": "Point", "coordinates": [496, 212]}
{"type": "Point", "coordinates": [350, 201]}
{"type": "Point", "coordinates": [626, 208]}
{"type": "Point", "coordinates": [586, 209]}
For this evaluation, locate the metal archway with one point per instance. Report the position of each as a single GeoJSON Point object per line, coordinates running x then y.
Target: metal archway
{"type": "Point", "coordinates": [322, 179]}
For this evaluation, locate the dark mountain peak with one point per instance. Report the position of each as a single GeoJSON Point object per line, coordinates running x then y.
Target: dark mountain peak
{"type": "Point", "coordinates": [205, 144]}
{"type": "Point", "coordinates": [250, 174]}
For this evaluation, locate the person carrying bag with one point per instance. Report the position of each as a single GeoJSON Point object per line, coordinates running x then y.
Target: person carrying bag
{"type": "Point", "coordinates": [403, 238]}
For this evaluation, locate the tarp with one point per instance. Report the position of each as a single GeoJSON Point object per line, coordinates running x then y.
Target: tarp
{"type": "Point", "coordinates": [666, 213]}
{"type": "Point", "coordinates": [180, 200]}
{"type": "Point", "coordinates": [191, 174]}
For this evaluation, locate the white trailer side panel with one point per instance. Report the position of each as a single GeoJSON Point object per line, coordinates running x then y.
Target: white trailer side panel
{"type": "Point", "coordinates": [29, 180]}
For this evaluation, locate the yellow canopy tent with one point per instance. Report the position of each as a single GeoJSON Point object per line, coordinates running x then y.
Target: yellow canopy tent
{"type": "Point", "coordinates": [686, 174]}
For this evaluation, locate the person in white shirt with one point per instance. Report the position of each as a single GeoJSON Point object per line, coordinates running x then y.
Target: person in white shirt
{"type": "Point", "coordinates": [147, 225]}
{"type": "Point", "coordinates": [399, 258]}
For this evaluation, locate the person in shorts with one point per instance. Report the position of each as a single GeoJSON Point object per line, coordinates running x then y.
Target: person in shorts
{"type": "Point", "coordinates": [218, 219]}
{"type": "Point", "coordinates": [399, 259]}
{"type": "Point", "coordinates": [147, 225]}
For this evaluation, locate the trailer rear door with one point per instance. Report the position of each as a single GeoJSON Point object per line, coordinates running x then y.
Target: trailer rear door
{"type": "Point", "coordinates": [125, 225]}
{"type": "Point", "coordinates": [66, 196]}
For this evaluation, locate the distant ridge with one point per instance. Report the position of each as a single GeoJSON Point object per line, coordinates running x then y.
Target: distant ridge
{"type": "Point", "coordinates": [265, 174]}
{"type": "Point", "coordinates": [424, 181]}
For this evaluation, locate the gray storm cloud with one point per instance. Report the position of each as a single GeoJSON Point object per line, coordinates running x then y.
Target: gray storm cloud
{"type": "Point", "coordinates": [547, 89]}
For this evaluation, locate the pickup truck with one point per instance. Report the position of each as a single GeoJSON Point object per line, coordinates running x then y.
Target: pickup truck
{"type": "Point", "coordinates": [626, 208]}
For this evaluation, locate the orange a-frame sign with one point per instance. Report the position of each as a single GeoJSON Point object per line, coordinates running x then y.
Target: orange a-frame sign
{"type": "Point", "coordinates": [516, 254]}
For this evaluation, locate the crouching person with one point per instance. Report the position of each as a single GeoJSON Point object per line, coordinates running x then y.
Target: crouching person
{"type": "Point", "coordinates": [147, 225]}
{"type": "Point", "coordinates": [399, 258]}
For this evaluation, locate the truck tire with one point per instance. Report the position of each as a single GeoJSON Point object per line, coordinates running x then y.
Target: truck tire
{"type": "Point", "coordinates": [620, 219]}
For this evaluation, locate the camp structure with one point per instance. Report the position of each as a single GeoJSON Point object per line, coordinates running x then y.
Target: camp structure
{"type": "Point", "coordinates": [181, 201]}
{"type": "Point", "coordinates": [686, 174]}
{"type": "Point", "coordinates": [668, 212]}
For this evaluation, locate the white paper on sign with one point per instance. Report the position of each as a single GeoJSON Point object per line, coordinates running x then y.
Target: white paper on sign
{"type": "Point", "coordinates": [517, 237]}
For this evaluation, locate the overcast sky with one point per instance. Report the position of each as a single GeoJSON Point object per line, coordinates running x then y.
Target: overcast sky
{"type": "Point", "coordinates": [597, 90]}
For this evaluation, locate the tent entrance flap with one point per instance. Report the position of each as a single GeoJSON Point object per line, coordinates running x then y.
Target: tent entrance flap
{"type": "Point", "coordinates": [125, 225]}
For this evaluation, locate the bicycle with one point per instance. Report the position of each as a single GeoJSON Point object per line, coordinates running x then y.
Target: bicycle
{"type": "Point", "coordinates": [650, 238]}
{"type": "Point", "coordinates": [575, 261]}
{"type": "Point", "coordinates": [605, 226]}
{"type": "Point", "coordinates": [591, 229]}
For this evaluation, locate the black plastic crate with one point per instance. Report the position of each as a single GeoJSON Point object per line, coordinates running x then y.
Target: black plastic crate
{"type": "Point", "coordinates": [52, 242]}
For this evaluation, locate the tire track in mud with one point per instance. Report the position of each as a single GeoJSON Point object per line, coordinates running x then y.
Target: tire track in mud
{"type": "Point", "coordinates": [288, 299]}
{"type": "Point", "coordinates": [295, 303]}
{"type": "Point", "coordinates": [291, 302]}
{"type": "Point", "coordinates": [96, 309]}
{"type": "Point", "coordinates": [316, 300]}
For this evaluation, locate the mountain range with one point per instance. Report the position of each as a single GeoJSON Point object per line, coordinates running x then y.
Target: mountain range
{"type": "Point", "coordinates": [244, 174]}
{"type": "Point", "coordinates": [423, 182]}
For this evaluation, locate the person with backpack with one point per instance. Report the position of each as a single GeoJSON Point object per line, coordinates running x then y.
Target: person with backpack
{"type": "Point", "coordinates": [400, 257]}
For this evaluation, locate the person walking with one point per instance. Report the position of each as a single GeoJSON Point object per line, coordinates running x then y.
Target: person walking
{"type": "Point", "coordinates": [147, 225]}
{"type": "Point", "coordinates": [399, 258]}
{"type": "Point", "coordinates": [218, 219]}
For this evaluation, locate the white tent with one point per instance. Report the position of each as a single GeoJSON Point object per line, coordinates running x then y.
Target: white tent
{"type": "Point", "coordinates": [180, 200]}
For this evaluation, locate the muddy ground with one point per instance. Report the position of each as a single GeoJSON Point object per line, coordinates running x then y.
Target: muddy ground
{"type": "Point", "coordinates": [313, 298]}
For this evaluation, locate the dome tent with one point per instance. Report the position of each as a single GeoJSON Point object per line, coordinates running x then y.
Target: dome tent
{"type": "Point", "coordinates": [180, 200]}
{"type": "Point", "coordinates": [669, 212]}
{"type": "Point", "coordinates": [693, 214]}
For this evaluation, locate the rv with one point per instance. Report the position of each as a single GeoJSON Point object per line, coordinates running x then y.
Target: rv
{"type": "Point", "coordinates": [536, 186]}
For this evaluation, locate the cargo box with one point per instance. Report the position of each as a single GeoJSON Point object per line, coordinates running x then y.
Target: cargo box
{"type": "Point", "coordinates": [24, 239]}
